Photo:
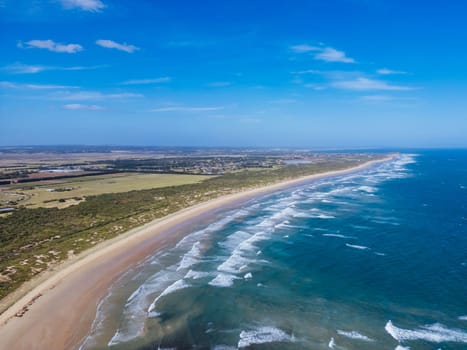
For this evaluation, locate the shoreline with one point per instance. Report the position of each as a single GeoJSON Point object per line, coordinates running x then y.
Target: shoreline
{"type": "Point", "coordinates": [67, 296]}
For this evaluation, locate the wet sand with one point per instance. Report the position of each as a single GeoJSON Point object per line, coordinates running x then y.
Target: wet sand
{"type": "Point", "coordinates": [63, 303]}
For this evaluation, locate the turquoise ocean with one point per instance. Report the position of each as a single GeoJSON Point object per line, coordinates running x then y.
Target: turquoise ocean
{"type": "Point", "coordinates": [375, 259]}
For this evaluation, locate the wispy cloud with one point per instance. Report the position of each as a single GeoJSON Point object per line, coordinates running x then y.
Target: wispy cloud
{"type": "Point", "coordinates": [85, 5]}
{"type": "Point", "coordinates": [19, 68]}
{"type": "Point", "coordinates": [330, 54]}
{"type": "Point", "coordinates": [78, 106]}
{"type": "Point", "coordinates": [92, 95]}
{"type": "Point", "coordinates": [382, 99]}
{"type": "Point", "coordinates": [368, 84]}
{"type": "Point", "coordinates": [147, 81]}
{"type": "Point", "coordinates": [220, 84]}
{"type": "Point", "coordinates": [303, 48]}
{"type": "Point", "coordinates": [385, 71]}
{"type": "Point", "coordinates": [51, 46]}
{"type": "Point", "coordinates": [327, 54]}
{"type": "Point", "coordinates": [11, 85]}
{"type": "Point", "coordinates": [308, 71]}
{"type": "Point", "coordinates": [110, 44]}
{"type": "Point", "coordinates": [316, 87]}
{"type": "Point", "coordinates": [187, 109]}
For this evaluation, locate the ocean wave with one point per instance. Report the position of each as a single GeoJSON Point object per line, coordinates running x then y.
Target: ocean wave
{"type": "Point", "coordinates": [135, 310]}
{"type": "Point", "coordinates": [285, 223]}
{"type": "Point", "coordinates": [331, 343]}
{"type": "Point", "coordinates": [354, 335]}
{"type": "Point", "coordinates": [400, 347]}
{"type": "Point", "coordinates": [191, 257]}
{"type": "Point", "coordinates": [301, 214]}
{"type": "Point", "coordinates": [235, 239]}
{"type": "Point", "coordinates": [360, 227]}
{"type": "Point", "coordinates": [134, 295]}
{"type": "Point", "coordinates": [235, 263]}
{"type": "Point", "coordinates": [223, 280]}
{"type": "Point", "coordinates": [215, 226]}
{"type": "Point", "coordinates": [355, 246]}
{"type": "Point", "coordinates": [434, 333]}
{"type": "Point", "coordinates": [322, 216]}
{"type": "Point", "coordinates": [463, 318]}
{"type": "Point", "coordinates": [177, 285]}
{"type": "Point", "coordinates": [367, 189]}
{"type": "Point", "coordinates": [243, 253]}
{"type": "Point", "coordinates": [263, 335]}
{"type": "Point", "coordinates": [336, 235]}
{"type": "Point", "coordinates": [119, 337]}
{"type": "Point", "coordinates": [279, 217]}
{"type": "Point", "coordinates": [197, 274]}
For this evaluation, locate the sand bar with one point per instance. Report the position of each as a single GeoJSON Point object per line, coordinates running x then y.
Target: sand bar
{"type": "Point", "coordinates": [62, 303]}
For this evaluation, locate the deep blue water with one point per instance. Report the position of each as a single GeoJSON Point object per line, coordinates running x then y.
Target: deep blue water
{"type": "Point", "coordinates": [371, 260]}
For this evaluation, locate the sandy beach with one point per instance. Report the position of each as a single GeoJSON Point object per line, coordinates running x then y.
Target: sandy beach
{"type": "Point", "coordinates": [62, 303]}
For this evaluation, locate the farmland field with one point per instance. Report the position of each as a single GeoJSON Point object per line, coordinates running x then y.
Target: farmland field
{"type": "Point", "coordinates": [64, 192]}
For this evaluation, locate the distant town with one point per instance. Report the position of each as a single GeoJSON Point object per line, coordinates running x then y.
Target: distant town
{"type": "Point", "coordinates": [30, 164]}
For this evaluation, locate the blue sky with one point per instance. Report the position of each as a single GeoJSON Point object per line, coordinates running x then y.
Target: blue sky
{"type": "Point", "coordinates": [334, 73]}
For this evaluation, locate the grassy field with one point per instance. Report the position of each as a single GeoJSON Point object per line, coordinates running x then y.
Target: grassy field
{"type": "Point", "coordinates": [65, 192]}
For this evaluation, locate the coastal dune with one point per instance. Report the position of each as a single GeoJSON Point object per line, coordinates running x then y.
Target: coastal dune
{"type": "Point", "coordinates": [58, 311]}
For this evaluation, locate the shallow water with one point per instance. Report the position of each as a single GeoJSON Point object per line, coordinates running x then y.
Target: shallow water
{"type": "Point", "coordinates": [371, 260]}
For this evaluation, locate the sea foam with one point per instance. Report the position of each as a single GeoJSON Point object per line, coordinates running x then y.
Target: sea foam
{"type": "Point", "coordinates": [354, 335]}
{"type": "Point", "coordinates": [336, 235]}
{"type": "Point", "coordinates": [435, 333]}
{"type": "Point", "coordinates": [223, 280]}
{"type": "Point", "coordinates": [197, 274]}
{"type": "Point", "coordinates": [263, 335]}
{"type": "Point", "coordinates": [355, 246]}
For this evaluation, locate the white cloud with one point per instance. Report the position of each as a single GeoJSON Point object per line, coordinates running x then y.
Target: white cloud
{"type": "Point", "coordinates": [385, 71]}
{"type": "Point", "coordinates": [330, 54]}
{"type": "Point", "coordinates": [93, 95]}
{"type": "Point", "coordinates": [110, 44]}
{"type": "Point", "coordinates": [303, 48]}
{"type": "Point", "coordinates": [368, 84]}
{"type": "Point", "coordinates": [8, 84]}
{"type": "Point", "coordinates": [85, 5]}
{"type": "Point", "coordinates": [78, 106]}
{"type": "Point", "coordinates": [187, 109]}
{"type": "Point", "coordinates": [51, 46]}
{"type": "Point", "coordinates": [19, 68]}
{"type": "Point", "coordinates": [147, 81]}
{"type": "Point", "coordinates": [327, 54]}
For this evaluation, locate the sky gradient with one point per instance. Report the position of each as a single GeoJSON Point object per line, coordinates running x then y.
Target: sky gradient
{"type": "Point", "coordinates": [334, 73]}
